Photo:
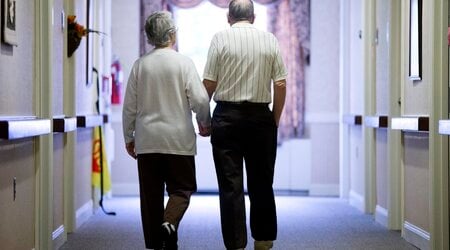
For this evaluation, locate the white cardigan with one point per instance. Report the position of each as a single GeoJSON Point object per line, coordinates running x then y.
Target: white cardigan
{"type": "Point", "coordinates": [163, 88]}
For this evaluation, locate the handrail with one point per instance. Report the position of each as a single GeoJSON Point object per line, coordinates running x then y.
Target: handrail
{"type": "Point", "coordinates": [64, 124]}
{"type": "Point", "coordinates": [88, 121]}
{"type": "Point", "coordinates": [411, 123]}
{"type": "Point", "coordinates": [352, 119]}
{"type": "Point", "coordinates": [23, 127]}
{"type": "Point", "coordinates": [380, 121]}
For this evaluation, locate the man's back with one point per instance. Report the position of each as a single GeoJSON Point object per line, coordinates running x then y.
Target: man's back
{"type": "Point", "coordinates": [247, 60]}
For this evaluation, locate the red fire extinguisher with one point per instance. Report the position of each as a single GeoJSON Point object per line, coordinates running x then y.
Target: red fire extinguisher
{"type": "Point", "coordinates": [117, 79]}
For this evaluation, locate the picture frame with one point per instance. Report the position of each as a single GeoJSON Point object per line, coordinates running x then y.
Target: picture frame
{"type": "Point", "coordinates": [9, 32]}
{"type": "Point", "coordinates": [415, 40]}
{"type": "Point", "coordinates": [89, 44]}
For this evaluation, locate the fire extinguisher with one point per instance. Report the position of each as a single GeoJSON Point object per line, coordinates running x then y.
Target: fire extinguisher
{"type": "Point", "coordinates": [117, 80]}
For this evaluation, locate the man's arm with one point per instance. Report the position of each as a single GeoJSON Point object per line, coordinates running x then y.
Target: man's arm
{"type": "Point", "coordinates": [279, 97]}
{"type": "Point", "coordinates": [210, 87]}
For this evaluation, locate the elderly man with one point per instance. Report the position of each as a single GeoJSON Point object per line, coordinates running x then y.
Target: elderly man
{"type": "Point", "coordinates": [163, 88]}
{"type": "Point", "coordinates": [242, 64]}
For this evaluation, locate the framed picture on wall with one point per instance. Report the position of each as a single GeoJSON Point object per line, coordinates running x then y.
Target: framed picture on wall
{"type": "Point", "coordinates": [89, 44]}
{"type": "Point", "coordinates": [415, 40]}
{"type": "Point", "coordinates": [9, 33]}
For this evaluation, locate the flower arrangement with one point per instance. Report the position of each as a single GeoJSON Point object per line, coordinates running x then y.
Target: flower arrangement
{"type": "Point", "coordinates": [75, 32]}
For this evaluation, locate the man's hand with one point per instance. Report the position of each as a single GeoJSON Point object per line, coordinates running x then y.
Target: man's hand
{"type": "Point", "coordinates": [130, 149]}
{"type": "Point", "coordinates": [210, 87]}
{"type": "Point", "coordinates": [279, 97]}
{"type": "Point", "coordinates": [204, 130]}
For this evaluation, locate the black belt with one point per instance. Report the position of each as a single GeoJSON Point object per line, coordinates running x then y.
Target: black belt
{"type": "Point", "coordinates": [244, 103]}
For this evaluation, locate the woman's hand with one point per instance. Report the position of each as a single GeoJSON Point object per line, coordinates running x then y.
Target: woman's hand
{"type": "Point", "coordinates": [130, 149]}
{"type": "Point", "coordinates": [204, 130]}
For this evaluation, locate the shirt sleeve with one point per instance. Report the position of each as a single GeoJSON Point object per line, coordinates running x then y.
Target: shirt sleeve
{"type": "Point", "coordinates": [211, 67]}
{"type": "Point", "coordinates": [197, 96]}
{"type": "Point", "coordinates": [279, 71]}
{"type": "Point", "coordinates": [130, 107]}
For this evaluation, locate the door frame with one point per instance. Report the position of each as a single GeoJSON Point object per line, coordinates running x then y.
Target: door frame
{"type": "Point", "coordinates": [43, 70]}
{"type": "Point", "coordinates": [438, 99]}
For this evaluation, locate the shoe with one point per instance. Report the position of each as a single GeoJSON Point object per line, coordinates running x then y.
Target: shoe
{"type": "Point", "coordinates": [263, 244]}
{"type": "Point", "coordinates": [169, 236]}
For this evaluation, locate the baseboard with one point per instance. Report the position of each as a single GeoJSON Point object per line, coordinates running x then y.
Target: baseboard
{"type": "Point", "coordinates": [84, 213]}
{"type": "Point", "coordinates": [356, 200]}
{"type": "Point", "coordinates": [58, 237]}
{"type": "Point", "coordinates": [416, 236]}
{"type": "Point", "coordinates": [381, 216]}
{"type": "Point", "coordinates": [125, 189]}
{"type": "Point", "coordinates": [324, 190]}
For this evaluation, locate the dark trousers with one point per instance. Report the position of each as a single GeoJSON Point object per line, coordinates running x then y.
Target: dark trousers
{"type": "Point", "coordinates": [177, 173]}
{"type": "Point", "coordinates": [245, 132]}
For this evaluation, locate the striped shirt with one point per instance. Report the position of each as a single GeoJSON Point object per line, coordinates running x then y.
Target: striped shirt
{"type": "Point", "coordinates": [244, 61]}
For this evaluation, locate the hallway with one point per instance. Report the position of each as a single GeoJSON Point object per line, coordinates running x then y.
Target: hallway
{"type": "Point", "coordinates": [303, 223]}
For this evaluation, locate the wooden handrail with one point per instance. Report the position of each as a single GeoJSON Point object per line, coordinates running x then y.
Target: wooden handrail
{"type": "Point", "coordinates": [64, 124]}
{"type": "Point", "coordinates": [444, 127]}
{"type": "Point", "coordinates": [376, 121]}
{"type": "Point", "coordinates": [407, 123]}
{"type": "Point", "coordinates": [23, 127]}
{"type": "Point", "coordinates": [88, 121]}
{"type": "Point", "coordinates": [352, 119]}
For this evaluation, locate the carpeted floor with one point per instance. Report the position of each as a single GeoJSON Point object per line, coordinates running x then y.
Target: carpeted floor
{"type": "Point", "coordinates": [303, 223]}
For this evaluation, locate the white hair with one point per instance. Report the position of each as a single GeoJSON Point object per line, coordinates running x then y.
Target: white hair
{"type": "Point", "coordinates": [159, 27]}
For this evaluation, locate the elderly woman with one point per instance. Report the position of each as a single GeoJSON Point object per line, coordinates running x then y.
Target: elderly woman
{"type": "Point", "coordinates": [163, 88]}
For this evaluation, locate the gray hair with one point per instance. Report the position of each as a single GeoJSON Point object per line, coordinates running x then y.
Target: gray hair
{"type": "Point", "coordinates": [240, 10]}
{"type": "Point", "coordinates": [159, 27]}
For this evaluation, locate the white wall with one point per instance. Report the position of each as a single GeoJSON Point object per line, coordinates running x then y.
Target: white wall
{"type": "Point", "coordinates": [125, 45]}
{"type": "Point", "coordinates": [322, 97]}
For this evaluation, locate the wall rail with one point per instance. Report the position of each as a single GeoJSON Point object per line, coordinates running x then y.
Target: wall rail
{"type": "Point", "coordinates": [412, 124]}
{"type": "Point", "coordinates": [23, 127]}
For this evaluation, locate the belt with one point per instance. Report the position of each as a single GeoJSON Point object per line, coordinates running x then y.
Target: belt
{"type": "Point", "coordinates": [244, 103]}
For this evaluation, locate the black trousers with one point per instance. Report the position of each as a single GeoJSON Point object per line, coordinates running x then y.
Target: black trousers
{"type": "Point", "coordinates": [247, 132]}
{"type": "Point", "coordinates": [177, 173]}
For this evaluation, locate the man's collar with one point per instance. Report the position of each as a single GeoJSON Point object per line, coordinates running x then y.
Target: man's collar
{"type": "Point", "coordinates": [242, 24]}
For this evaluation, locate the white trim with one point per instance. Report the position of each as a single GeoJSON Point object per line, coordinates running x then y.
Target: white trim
{"type": "Point", "coordinates": [125, 189]}
{"type": "Point", "coordinates": [416, 236]}
{"type": "Point", "coordinates": [324, 190]}
{"type": "Point", "coordinates": [381, 215]}
{"type": "Point", "coordinates": [322, 118]}
{"type": "Point", "coordinates": [84, 213]}
{"type": "Point", "coordinates": [59, 237]}
{"type": "Point", "coordinates": [356, 200]}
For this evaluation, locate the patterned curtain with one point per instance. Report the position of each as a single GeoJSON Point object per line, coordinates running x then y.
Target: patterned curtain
{"type": "Point", "coordinates": [147, 8]}
{"type": "Point", "coordinates": [185, 3]}
{"type": "Point", "coordinates": [290, 23]}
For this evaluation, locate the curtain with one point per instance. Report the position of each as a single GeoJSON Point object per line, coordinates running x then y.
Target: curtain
{"type": "Point", "coordinates": [147, 8]}
{"type": "Point", "coordinates": [290, 23]}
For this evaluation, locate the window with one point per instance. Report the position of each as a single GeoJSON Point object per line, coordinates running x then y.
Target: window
{"type": "Point", "coordinates": [197, 26]}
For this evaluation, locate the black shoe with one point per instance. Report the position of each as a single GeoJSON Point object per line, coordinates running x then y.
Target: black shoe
{"type": "Point", "coordinates": [169, 236]}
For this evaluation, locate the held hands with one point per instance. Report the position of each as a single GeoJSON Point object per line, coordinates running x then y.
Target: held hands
{"type": "Point", "coordinates": [204, 130]}
{"type": "Point", "coordinates": [130, 149]}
